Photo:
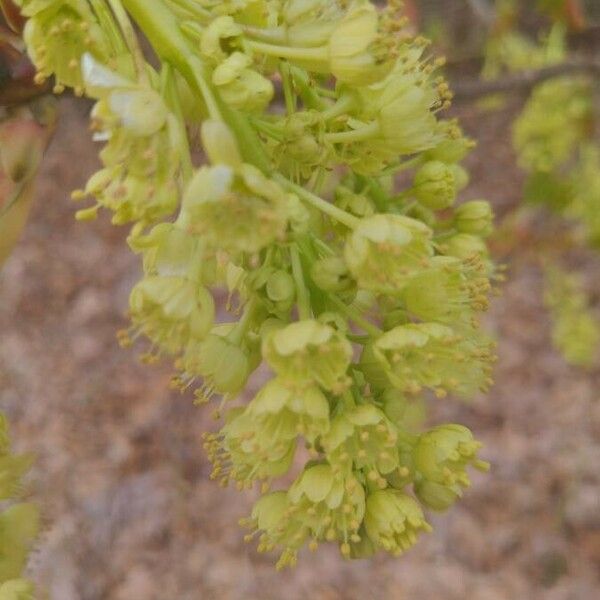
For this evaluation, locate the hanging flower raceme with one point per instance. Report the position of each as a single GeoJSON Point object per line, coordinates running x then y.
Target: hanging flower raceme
{"type": "Point", "coordinates": [355, 296]}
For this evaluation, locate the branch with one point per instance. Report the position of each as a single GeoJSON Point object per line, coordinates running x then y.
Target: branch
{"type": "Point", "coordinates": [522, 82]}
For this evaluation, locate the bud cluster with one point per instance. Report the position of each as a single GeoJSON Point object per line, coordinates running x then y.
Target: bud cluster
{"type": "Point", "coordinates": [358, 296]}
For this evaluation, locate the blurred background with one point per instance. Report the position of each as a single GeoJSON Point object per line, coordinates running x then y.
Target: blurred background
{"type": "Point", "coordinates": [120, 474]}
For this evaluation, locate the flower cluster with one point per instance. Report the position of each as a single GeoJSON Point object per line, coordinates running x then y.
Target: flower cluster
{"type": "Point", "coordinates": [18, 522]}
{"type": "Point", "coordinates": [556, 144]}
{"type": "Point", "coordinates": [358, 296]}
{"type": "Point", "coordinates": [576, 331]}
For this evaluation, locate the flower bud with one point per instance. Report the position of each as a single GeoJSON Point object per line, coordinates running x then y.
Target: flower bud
{"type": "Point", "coordinates": [331, 274]}
{"type": "Point", "coordinates": [465, 246]}
{"type": "Point", "coordinates": [220, 144]}
{"type": "Point", "coordinates": [461, 177]}
{"type": "Point", "coordinates": [475, 217]}
{"type": "Point", "coordinates": [240, 86]}
{"type": "Point", "coordinates": [453, 147]}
{"type": "Point", "coordinates": [281, 289]}
{"type": "Point", "coordinates": [221, 32]}
{"type": "Point", "coordinates": [435, 185]}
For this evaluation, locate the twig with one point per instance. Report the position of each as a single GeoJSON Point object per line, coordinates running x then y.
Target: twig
{"type": "Point", "coordinates": [522, 82]}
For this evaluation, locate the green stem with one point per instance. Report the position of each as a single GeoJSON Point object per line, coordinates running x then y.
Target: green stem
{"type": "Point", "coordinates": [355, 135]}
{"type": "Point", "coordinates": [307, 91]}
{"type": "Point", "coordinates": [174, 101]}
{"type": "Point", "coordinates": [376, 192]}
{"type": "Point", "coordinates": [236, 335]}
{"type": "Point", "coordinates": [403, 166]}
{"type": "Point", "coordinates": [319, 54]}
{"type": "Point", "coordinates": [267, 128]}
{"type": "Point", "coordinates": [288, 91]}
{"type": "Point", "coordinates": [326, 207]}
{"type": "Point", "coordinates": [108, 25]}
{"type": "Point", "coordinates": [344, 104]}
{"type": "Point", "coordinates": [192, 8]}
{"type": "Point", "coordinates": [275, 35]}
{"type": "Point", "coordinates": [302, 295]}
{"type": "Point", "coordinates": [355, 316]}
{"type": "Point", "coordinates": [130, 38]}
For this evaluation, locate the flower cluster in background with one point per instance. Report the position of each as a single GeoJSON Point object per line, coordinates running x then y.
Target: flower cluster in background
{"type": "Point", "coordinates": [326, 206]}
{"type": "Point", "coordinates": [556, 140]}
{"type": "Point", "coordinates": [18, 522]}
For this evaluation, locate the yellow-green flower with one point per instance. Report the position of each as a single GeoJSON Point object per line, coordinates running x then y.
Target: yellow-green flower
{"type": "Point", "coordinates": [244, 455]}
{"type": "Point", "coordinates": [441, 457]}
{"type": "Point", "coordinates": [140, 180]}
{"type": "Point", "coordinates": [356, 53]}
{"type": "Point", "coordinates": [309, 351]}
{"type": "Point", "coordinates": [272, 519]}
{"type": "Point", "coordinates": [238, 210]}
{"type": "Point", "coordinates": [58, 33]}
{"type": "Point", "coordinates": [554, 120]}
{"type": "Point", "coordinates": [450, 291]}
{"type": "Point", "coordinates": [330, 505]}
{"type": "Point", "coordinates": [393, 521]}
{"type": "Point", "coordinates": [434, 356]}
{"type": "Point", "coordinates": [171, 311]}
{"type": "Point", "coordinates": [282, 410]}
{"type": "Point", "coordinates": [310, 23]}
{"type": "Point", "coordinates": [391, 118]}
{"type": "Point", "coordinates": [386, 250]}
{"type": "Point", "coordinates": [221, 361]}
{"type": "Point", "coordinates": [364, 437]}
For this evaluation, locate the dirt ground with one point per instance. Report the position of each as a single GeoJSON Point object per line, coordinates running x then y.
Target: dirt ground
{"type": "Point", "coordinates": [123, 481]}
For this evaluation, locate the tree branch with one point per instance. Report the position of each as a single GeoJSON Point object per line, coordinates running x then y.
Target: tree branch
{"type": "Point", "coordinates": [522, 82]}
